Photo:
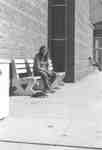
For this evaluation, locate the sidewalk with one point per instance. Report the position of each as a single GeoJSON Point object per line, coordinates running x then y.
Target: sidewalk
{"type": "Point", "coordinates": [71, 116]}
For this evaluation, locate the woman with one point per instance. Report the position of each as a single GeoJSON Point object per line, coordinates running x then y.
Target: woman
{"type": "Point", "coordinates": [43, 67]}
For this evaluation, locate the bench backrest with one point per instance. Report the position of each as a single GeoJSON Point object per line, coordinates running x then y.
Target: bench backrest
{"type": "Point", "coordinates": [21, 68]}
{"type": "Point", "coordinates": [29, 64]}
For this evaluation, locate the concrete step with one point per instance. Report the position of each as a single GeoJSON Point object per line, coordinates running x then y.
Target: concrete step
{"type": "Point", "coordinates": [25, 146]}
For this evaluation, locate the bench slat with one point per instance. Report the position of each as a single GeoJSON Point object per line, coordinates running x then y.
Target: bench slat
{"type": "Point", "coordinates": [21, 71]}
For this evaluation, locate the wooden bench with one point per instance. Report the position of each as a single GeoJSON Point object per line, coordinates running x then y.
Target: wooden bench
{"type": "Point", "coordinates": [23, 81]}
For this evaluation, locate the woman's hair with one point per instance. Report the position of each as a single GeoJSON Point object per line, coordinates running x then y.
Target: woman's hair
{"type": "Point", "coordinates": [41, 53]}
{"type": "Point", "coordinates": [41, 49]}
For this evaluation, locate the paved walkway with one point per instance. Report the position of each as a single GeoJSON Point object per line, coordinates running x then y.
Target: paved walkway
{"type": "Point", "coordinates": [69, 117]}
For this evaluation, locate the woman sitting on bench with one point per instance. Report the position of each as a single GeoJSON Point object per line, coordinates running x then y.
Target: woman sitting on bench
{"type": "Point", "coordinates": [43, 67]}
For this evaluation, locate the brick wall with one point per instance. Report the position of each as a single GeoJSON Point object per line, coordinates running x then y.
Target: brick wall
{"type": "Point", "coordinates": [83, 39]}
{"type": "Point", "coordinates": [23, 27]}
{"type": "Point", "coordinates": [96, 11]}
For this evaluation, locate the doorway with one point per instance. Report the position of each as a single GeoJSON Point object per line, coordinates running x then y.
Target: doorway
{"type": "Point", "coordinates": [61, 36]}
{"type": "Point", "coordinates": [98, 44]}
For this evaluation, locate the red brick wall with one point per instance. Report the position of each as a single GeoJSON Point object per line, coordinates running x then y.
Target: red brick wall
{"type": "Point", "coordinates": [23, 27]}
{"type": "Point", "coordinates": [83, 39]}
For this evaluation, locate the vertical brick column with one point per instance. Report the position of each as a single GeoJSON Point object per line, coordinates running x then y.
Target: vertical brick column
{"type": "Point", "coordinates": [83, 39]}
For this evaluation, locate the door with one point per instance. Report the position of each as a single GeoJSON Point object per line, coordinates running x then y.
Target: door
{"type": "Point", "coordinates": [61, 36]}
{"type": "Point", "coordinates": [57, 34]}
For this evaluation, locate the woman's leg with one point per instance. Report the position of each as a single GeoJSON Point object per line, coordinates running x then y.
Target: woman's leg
{"type": "Point", "coordinates": [52, 76]}
{"type": "Point", "coordinates": [45, 79]}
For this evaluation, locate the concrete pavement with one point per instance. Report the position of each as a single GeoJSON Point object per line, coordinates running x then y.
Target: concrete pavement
{"type": "Point", "coordinates": [69, 117]}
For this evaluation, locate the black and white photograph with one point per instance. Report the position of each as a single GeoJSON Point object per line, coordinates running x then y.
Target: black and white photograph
{"type": "Point", "coordinates": [50, 74]}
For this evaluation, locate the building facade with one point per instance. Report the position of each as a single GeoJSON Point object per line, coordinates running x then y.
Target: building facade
{"type": "Point", "coordinates": [62, 25]}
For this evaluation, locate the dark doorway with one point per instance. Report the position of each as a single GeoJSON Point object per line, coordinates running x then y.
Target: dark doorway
{"type": "Point", "coordinates": [61, 36]}
{"type": "Point", "coordinates": [98, 44]}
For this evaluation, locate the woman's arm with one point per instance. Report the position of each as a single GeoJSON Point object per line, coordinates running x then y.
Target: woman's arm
{"type": "Point", "coordinates": [50, 66]}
